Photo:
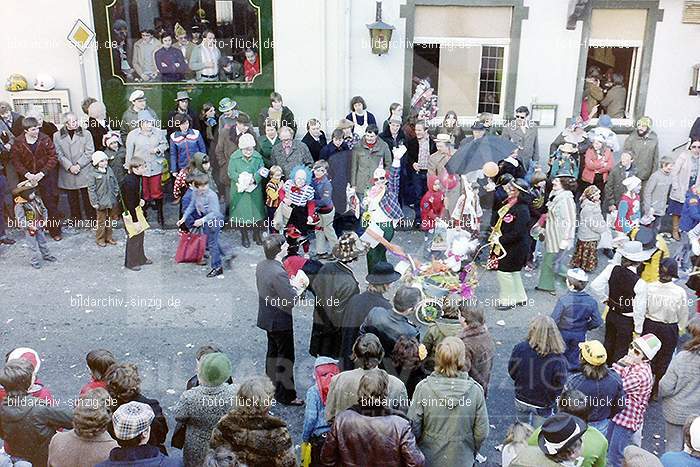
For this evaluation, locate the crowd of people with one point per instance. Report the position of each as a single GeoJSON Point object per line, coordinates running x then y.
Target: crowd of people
{"type": "Point", "coordinates": [378, 376]}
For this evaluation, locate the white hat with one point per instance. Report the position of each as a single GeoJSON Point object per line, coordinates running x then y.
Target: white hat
{"type": "Point", "coordinates": [99, 156]}
{"type": "Point", "coordinates": [695, 434]}
{"type": "Point", "coordinates": [631, 182]}
{"type": "Point", "coordinates": [634, 251]}
{"type": "Point", "coordinates": [44, 82]}
{"type": "Point", "coordinates": [577, 274]}
{"type": "Point", "coordinates": [443, 138]}
{"type": "Point", "coordinates": [138, 94]}
{"type": "Point", "coordinates": [246, 141]}
{"type": "Point", "coordinates": [649, 344]}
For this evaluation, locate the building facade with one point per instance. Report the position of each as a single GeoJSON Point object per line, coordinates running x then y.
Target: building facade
{"type": "Point", "coordinates": [479, 55]}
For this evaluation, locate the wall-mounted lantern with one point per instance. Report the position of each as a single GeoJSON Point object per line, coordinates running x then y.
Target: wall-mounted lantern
{"type": "Point", "coordinates": [380, 33]}
{"type": "Point", "coordinates": [695, 84]}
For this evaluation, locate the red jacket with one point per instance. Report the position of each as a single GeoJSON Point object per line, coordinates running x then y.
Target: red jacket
{"type": "Point", "coordinates": [594, 165]}
{"type": "Point", "coordinates": [42, 160]}
{"type": "Point", "coordinates": [432, 207]}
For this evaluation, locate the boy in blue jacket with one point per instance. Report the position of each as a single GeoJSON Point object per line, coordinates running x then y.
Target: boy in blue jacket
{"type": "Point", "coordinates": [576, 313]}
{"type": "Point", "coordinates": [204, 208]}
{"type": "Point", "coordinates": [326, 237]}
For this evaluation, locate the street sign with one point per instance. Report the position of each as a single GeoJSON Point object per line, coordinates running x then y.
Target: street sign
{"type": "Point", "coordinates": [81, 36]}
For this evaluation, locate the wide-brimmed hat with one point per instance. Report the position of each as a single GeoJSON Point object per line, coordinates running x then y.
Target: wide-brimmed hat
{"type": "Point", "coordinates": [577, 274]}
{"type": "Point", "coordinates": [521, 185]}
{"type": "Point", "coordinates": [559, 432]}
{"type": "Point", "coordinates": [24, 187]}
{"type": "Point", "coordinates": [227, 104]}
{"type": "Point", "coordinates": [593, 352]}
{"type": "Point", "coordinates": [383, 273]}
{"type": "Point", "coordinates": [132, 419]}
{"type": "Point", "coordinates": [136, 95]}
{"type": "Point", "coordinates": [634, 251]}
{"type": "Point", "coordinates": [346, 249]}
{"type": "Point", "coordinates": [182, 95]}
{"type": "Point", "coordinates": [568, 148]}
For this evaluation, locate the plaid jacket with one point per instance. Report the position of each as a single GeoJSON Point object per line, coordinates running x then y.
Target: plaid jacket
{"type": "Point", "coordinates": [637, 381]}
{"type": "Point", "coordinates": [390, 200]}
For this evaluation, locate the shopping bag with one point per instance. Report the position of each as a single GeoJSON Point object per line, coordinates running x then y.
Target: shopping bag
{"type": "Point", "coordinates": [191, 247]}
{"type": "Point", "coordinates": [131, 228]}
{"type": "Point", "coordinates": [606, 240]}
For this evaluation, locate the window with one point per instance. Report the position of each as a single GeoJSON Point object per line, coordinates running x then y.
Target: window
{"type": "Point", "coordinates": [142, 53]}
{"type": "Point", "coordinates": [614, 54]}
{"type": "Point", "coordinates": [52, 104]}
{"type": "Point", "coordinates": [465, 64]}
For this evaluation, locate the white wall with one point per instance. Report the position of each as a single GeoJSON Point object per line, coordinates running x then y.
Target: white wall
{"type": "Point", "coordinates": [547, 68]}
{"type": "Point", "coordinates": [34, 41]}
{"type": "Point", "coordinates": [675, 53]}
{"type": "Point", "coordinates": [318, 67]}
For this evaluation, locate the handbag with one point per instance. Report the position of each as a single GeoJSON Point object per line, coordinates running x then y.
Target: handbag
{"type": "Point", "coordinates": [191, 246]}
{"type": "Point", "coordinates": [131, 228]}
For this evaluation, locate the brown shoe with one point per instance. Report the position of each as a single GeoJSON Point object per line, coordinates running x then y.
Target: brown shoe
{"type": "Point", "coordinates": [102, 244]}
{"type": "Point", "coordinates": [111, 242]}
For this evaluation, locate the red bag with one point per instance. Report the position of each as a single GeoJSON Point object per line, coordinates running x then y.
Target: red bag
{"type": "Point", "coordinates": [191, 247]}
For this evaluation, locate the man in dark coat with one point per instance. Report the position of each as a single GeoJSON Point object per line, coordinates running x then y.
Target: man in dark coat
{"type": "Point", "coordinates": [334, 286]}
{"type": "Point", "coordinates": [314, 139]}
{"type": "Point", "coordinates": [414, 169]}
{"type": "Point", "coordinates": [389, 325]}
{"type": "Point", "coordinates": [360, 305]}
{"type": "Point", "coordinates": [276, 299]}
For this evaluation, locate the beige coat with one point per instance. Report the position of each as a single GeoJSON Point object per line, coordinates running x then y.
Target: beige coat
{"type": "Point", "coordinates": [680, 175]}
{"type": "Point", "coordinates": [70, 151]}
{"type": "Point", "coordinates": [561, 222]}
{"type": "Point", "coordinates": [67, 449]}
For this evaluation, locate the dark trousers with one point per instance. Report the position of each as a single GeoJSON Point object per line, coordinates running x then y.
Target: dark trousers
{"type": "Point", "coordinates": [279, 364]}
{"type": "Point", "coordinates": [668, 335]}
{"type": "Point", "coordinates": [317, 443]}
{"type": "Point", "coordinates": [618, 336]}
{"type": "Point", "coordinates": [134, 251]}
{"type": "Point", "coordinates": [74, 200]}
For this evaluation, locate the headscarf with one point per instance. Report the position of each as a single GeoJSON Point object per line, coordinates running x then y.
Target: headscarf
{"type": "Point", "coordinates": [325, 369]}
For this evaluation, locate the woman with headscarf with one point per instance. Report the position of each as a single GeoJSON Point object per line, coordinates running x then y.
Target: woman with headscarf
{"type": "Point", "coordinates": [559, 230]}
{"type": "Point", "coordinates": [510, 245]}
{"type": "Point", "coordinates": [315, 425]}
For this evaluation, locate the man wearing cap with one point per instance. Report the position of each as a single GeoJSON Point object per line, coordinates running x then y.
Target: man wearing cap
{"type": "Point", "coordinates": [359, 306]}
{"type": "Point", "coordinates": [182, 106]}
{"type": "Point", "coordinates": [625, 293]}
{"type": "Point", "coordinates": [690, 455]}
{"type": "Point", "coordinates": [143, 56]}
{"type": "Point", "coordinates": [637, 381]}
{"type": "Point", "coordinates": [130, 117]}
{"type": "Point", "coordinates": [558, 443]}
{"type": "Point", "coordinates": [334, 286]}
{"type": "Point", "coordinates": [644, 144]}
{"type": "Point", "coordinates": [666, 314]}
{"type": "Point", "coordinates": [132, 427]}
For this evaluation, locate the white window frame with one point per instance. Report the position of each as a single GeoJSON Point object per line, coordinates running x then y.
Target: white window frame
{"type": "Point", "coordinates": [634, 75]}
{"type": "Point", "coordinates": [472, 42]}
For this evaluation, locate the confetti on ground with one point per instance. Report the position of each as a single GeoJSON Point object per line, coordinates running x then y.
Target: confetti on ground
{"type": "Point", "coordinates": [500, 322]}
{"type": "Point", "coordinates": [88, 311]}
{"type": "Point", "coordinates": [42, 339]}
{"type": "Point", "coordinates": [189, 346]}
{"type": "Point", "coordinates": [170, 391]}
{"type": "Point", "coordinates": [9, 321]}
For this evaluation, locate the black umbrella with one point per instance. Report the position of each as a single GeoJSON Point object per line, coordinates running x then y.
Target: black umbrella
{"type": "Point", "coordinates": [473, 155]}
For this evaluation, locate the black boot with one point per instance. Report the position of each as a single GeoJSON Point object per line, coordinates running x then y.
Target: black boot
{"type": "Point", "coordinates": [245, 241]}
{"type": "Point", "coordinates": [161, 217]}
{"type": "Point", "coordinates": [257, 236]}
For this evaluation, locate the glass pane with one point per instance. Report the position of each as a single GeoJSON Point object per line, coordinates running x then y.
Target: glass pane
{"type": "Point", "coordinates": [491, 79]}
{"type": "Point", "coordinates": [185, 40]}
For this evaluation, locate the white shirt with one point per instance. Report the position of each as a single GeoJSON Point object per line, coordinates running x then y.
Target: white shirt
{"type": "Point", "coordinates": [599, 289]}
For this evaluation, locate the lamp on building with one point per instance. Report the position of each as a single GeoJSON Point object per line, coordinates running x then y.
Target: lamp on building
{"type": "Point", "coordinates": [380, 33]}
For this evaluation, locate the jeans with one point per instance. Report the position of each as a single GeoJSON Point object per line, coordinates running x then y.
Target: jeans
{"type": "Point", "coordinates": [601, 425]}
{"type": "Point", "coordinates": [619, 438]}
{"type": "Point", "coordinates": [212, 230]}
{"type": "Point", "coordinates": [572, 339]}
{"type": "Point", "coordinates": [37, 243]}
{"type": "Point", "coordinates": [534, 416]}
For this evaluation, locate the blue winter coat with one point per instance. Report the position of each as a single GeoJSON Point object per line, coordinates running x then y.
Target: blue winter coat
{"type": "Point", "coordinates": [538, 380]}
{"type": "Point", "coordinates": [690, 215]}
{"type": "Point", "coordinates": [144, 455]}
{"type": "Point", "coordinates": [577, 312]}
{"type": "Point", "coordinates": [183, 146]}
{"type": "Point", "coordinates": [606, 395]}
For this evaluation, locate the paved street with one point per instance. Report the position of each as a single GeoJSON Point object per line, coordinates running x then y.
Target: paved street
{"type": "Point", "coordinates": [158, 317]}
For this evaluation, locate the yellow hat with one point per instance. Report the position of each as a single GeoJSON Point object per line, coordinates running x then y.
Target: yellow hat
{"type": "Point", "coordinates": [593, 352]}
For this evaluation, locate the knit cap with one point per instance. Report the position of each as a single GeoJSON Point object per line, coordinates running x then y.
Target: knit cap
{"type": "Point", "coordinates": [214, 369]}
{"type": "Point", "coordinates": [638, 457]}
{"type": "Point", "coordinates": [99, 156]}
{"type": "Point", "coordinates": [649, 344]}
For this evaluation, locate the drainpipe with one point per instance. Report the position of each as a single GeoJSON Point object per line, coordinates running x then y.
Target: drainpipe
{"type": "Point", "coordinates": [324, 74]}
{"type": "Point", "coordinates": [348, 48]}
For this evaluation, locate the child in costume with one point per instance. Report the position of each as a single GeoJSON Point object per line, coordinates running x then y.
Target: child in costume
{"type": "Point", "coordinates": [432, 208]}
{"type": "Point", "coordinates": [298, 194]}
{"type": "Point", "coordinates": [467, 212]}
{"type": "Point", "coordinates": [31, 217]}
{"type": "Point", "coordinates": [116, 154]}
{"type": "Point", "coordinates": [629, 211]}
{"type": "Point", "coordinates": [564, 159]}
{"type": "Point", "coordinates": [103, 190]}
{"type": "Point", "coordinates": [326, 237]}
{"type": "Point", "coordinates": [273, 194]}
